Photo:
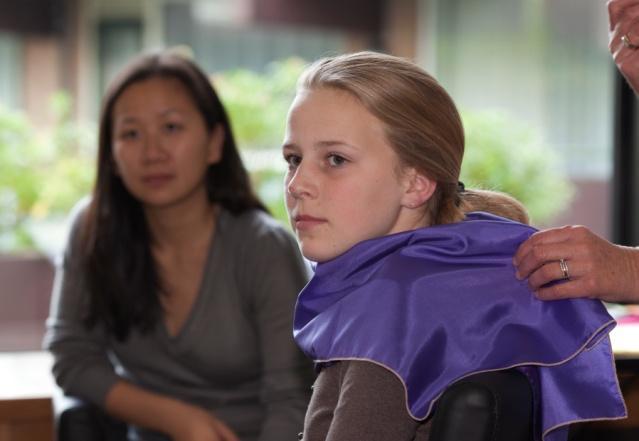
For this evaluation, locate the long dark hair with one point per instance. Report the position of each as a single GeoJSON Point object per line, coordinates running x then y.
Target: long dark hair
{"type": "Point", "coordinates": [123, 281]}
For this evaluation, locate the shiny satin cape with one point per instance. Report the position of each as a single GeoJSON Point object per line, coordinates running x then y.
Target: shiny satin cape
{"type": "Point", "coordinates": [437, 304]}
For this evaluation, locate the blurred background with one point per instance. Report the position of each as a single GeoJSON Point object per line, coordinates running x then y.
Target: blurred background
{"type": "Point", "coordinates": [533, 78]}
{"type": "Point", "coordinates": [547, 118]}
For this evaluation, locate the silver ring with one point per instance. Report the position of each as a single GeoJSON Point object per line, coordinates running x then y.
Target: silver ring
{"type": "Point", "coordinates": [625, 39]}
{"type": "Point", "coordinates": [563, 265]}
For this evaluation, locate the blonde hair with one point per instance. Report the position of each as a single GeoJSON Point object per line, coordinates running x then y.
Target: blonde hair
{"type": "Point", "coordinates": [420, 119]}
{"type": "Point", "coordinates": [495, 202]}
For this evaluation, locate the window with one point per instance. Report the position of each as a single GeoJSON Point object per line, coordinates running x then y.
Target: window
{"type": "Point", "coordinates": [119, 41]}
{"type": "Point", "coordinates": [10, 70]}
{"type": "Point", "coordinates": [545, 63]}
{"type": "Point", "coordinates": [221, 47]}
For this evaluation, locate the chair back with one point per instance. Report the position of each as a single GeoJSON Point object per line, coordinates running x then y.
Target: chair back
{"type": "Point", "coordinates": [490, 406]}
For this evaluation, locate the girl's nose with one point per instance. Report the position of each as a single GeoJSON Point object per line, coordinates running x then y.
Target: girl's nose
{"type": "Point", "coordinates": [154, 148]}
{"type": "Point", "coordinates": [301, 183]}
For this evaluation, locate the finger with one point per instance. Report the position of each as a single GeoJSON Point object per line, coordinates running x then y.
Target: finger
{"type": "Point", "coordinates": [544, 254]}
{"type": "Point", "coordinates": [225, 432]}
{"type": "Point", "coordinates": [619, 10]}
{"type": "Point", "coordinates": [548, 273]}
{"type": "Point", "coordinates": [629, 68]}
{"type": "Point", "coordinates": [571, 289]}
{"type": "Point", "coordinates": [629, 27]}
{"type": "Point", "coordinates": [552, 235]}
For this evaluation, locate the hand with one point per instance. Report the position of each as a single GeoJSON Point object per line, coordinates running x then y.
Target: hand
{"type": "Point", "coordinates": [596, 268]}
{"type": "Point", "coordinates": [201, 425]}
{"type": "Point", "coordinates": [624, 20]}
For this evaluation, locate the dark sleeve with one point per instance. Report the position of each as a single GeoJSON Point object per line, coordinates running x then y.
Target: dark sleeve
{"type": "Point", "coordinates": [81, 366]}
{"type": "Point", "coordinates": [276, 272]}
{"type": "Point", "coordinates": [371, 405]}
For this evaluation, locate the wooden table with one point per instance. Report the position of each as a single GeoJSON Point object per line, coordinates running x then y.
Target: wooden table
{"type": "Point", "coordinates": [26, 387]}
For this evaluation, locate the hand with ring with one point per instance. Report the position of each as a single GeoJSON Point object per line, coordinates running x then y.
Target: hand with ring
{"type": "Point", "coordinates": [624, 38]}
{"type": "Point", "coordinates": [627, 42]}
{"type": "Point", "coordinates": [588, 265]}
{"type": "Point", "coordinates": [563, 266]}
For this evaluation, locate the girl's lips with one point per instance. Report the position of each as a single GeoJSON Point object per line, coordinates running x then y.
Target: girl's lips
{"type": "Point", "coordinates": [307, 222]}
{"type": "Point", "coordinates": [156, 180]}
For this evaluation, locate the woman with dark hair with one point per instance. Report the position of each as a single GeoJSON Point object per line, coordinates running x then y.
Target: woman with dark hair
{"type": "Point", "coordinates": [173, 306]}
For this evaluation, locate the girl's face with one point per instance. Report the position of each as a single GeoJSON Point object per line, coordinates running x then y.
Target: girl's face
{"type": "Point", "coordinates": [161, 145]}
{"type": "Point", "coordinates": [344, 182]}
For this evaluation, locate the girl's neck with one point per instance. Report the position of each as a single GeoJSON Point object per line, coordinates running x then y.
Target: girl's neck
{"type": "Point", "coordinates": [182, 226]}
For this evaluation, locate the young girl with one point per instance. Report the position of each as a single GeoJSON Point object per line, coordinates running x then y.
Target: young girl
{"type": "Point", "coordinates": [174, 303]}
{"type": "Point", "coordinates": [412, 291]}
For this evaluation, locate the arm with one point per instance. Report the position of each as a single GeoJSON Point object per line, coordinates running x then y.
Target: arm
{"type": "Point", "coordinates": [597, 268]}
{"type": "Point", "coordinates": [81, 365]}
{"type": "Point", "coordinates": [272, 273]}
{"type": "Point", "coordinates": [180, 420]}
{"type": "Point", "coordinates": [371, 405]}
{"type": "Point", "coordinates": [624, 20]}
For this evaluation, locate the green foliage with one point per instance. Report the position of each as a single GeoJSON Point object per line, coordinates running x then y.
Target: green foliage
{"type": "Point", "coordinates": [257, 103]}
{"type": "Point", "coordinates": [69, 162]}
{"type": "Point", "coordinates": [42, 176]}
{"type": "Point", "coordinates": [270, 185]}
{"type": "Point", "coordinates": [503, 154]}
{"type": "Point", "coordinates": [19, 182]}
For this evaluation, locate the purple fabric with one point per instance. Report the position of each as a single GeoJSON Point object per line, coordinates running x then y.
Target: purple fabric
{"type": "Point", "coordinates": [440, 303]}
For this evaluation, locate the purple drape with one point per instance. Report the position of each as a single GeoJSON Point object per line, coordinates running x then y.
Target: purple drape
{"type": "Point", "coordinates": [440, 303]}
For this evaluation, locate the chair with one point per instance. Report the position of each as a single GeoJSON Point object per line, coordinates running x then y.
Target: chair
{"type": "Point", "coordinates": [77, 420]}
{"type": "Point", "coordinates": [490, 406]}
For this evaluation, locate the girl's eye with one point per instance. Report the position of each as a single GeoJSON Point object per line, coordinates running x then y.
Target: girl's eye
{"type": "Point", "coordinates": [128, 134]}
{"type": "Point", "coordinates": [172, 127]}
{"type": "Point", "coordinates": [292, 160]}
{"type": "Point", "coordinates": [336, 160]}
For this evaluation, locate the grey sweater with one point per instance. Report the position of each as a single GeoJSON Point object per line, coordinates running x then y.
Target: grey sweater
{"type": "Point", "coordinates": [234, 355]}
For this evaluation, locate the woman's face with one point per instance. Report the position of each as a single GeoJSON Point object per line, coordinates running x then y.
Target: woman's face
{"type": "Point", "coordinates": [344, 182]}
{"type": "Point", "coordinates": [160, 143]}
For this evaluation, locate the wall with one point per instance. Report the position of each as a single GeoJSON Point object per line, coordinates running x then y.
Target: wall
{"type": "Point", "coordinates": [25, 288]}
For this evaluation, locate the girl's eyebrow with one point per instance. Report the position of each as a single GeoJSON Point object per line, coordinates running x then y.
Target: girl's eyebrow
{"type": "Point", "coordinates": [169, 111]}
{"type": "Point", "coordinates": [132, 118]}
{"type": "Point", "coordinates": [332, 143]}
{"type": "Point", "coordinates": [126, 119]}
{"type": "Point", "coordinates": [319, 144]}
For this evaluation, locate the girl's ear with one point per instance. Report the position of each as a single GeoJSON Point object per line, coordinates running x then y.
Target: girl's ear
{"type": "Point", "coordinates": [216, 144]}
{"type": "Point", "coordinates": [418, 190]}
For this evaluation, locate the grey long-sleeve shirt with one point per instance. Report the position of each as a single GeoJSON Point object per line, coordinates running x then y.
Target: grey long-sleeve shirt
{"type": "Point", "coordinates": [235, 354]}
